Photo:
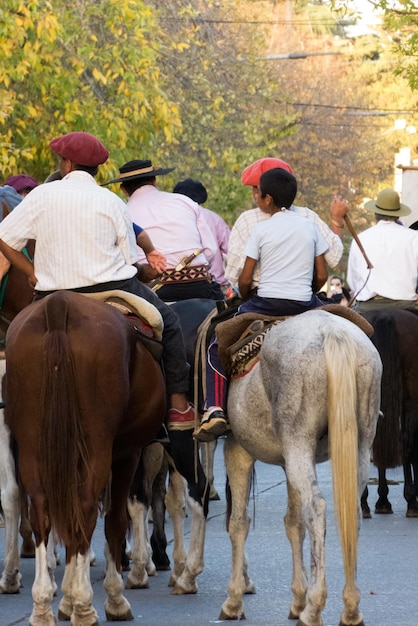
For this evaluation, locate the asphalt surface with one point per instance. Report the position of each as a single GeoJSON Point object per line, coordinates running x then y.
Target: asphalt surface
{"type": "Point", "coordinates": [387, 567]}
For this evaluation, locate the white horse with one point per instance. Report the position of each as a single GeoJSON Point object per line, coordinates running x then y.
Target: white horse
{"type": "Point", "coordinates": [317, 384]}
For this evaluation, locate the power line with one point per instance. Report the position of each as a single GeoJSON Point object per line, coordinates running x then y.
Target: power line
{"type": "Point", "coordinates": [307, 22]}
{"type": "Point", "coordinates": [350, 110]}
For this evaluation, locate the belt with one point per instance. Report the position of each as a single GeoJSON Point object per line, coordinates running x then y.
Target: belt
{"type": "Point", "coordinates": [186, 275]}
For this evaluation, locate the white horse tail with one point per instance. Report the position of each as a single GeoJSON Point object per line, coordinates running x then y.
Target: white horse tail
{"type": "Point", "coordinates": [341, 362]}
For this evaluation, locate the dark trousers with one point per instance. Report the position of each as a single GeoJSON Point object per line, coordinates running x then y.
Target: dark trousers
{"type": "Point", "coordinates": [174, 351]}
{"type": "Point", "coordinates": [173, 292]}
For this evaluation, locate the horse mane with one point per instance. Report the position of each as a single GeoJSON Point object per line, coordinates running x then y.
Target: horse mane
{"type": "Point", "coordinates": [62, 429]}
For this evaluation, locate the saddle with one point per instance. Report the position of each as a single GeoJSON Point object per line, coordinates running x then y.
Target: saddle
{"type": "Point", "coordinates": [145, 319]}
{"type": "Point", "coordinates": [240, 338]}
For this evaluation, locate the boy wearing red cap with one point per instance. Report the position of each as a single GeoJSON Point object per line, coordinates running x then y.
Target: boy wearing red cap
{"type": "Point", "coordinates": [85, 242]}
{"type": "Point", "coordinates": [290, 250]}
{"type": "Point", "coordinates": [245, 223]}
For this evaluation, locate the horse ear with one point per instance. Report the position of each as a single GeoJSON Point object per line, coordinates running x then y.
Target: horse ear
{"type": "Point", "coordinates": [5, 210]}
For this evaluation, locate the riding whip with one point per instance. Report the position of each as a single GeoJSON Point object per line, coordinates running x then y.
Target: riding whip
{"type": "Point", "coordinates": [362, 250]}
{"type": "Point", "coordinates": [357, 240]}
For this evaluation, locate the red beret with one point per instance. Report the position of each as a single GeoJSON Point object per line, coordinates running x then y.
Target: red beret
{"type": "Point", "coordinates": [80, 148]}
{"type": "Point", "coordinates": [21, 181]}
{"type": "Point", "coordinates": [251, 175]}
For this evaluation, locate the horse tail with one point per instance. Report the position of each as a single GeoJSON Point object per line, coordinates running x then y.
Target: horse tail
{"type": "Point", "coordinates": [387, 445]}
{"type": "Point", "coordinates": [64, 445]}
{"type": "Point", "coordinates": [341, 363]}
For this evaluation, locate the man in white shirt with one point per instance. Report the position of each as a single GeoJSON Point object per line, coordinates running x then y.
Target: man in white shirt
{"type": "Point", "coordinates": [177, 229]}
{"type": "Point", "coordinates": [85, 242]}
{"type": "Point", "coordinates": [393, 253]}
{"type": "Point", "coordinates": [245, 223]}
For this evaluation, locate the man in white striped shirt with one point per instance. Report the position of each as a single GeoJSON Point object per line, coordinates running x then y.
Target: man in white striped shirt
{"type": "Point", "coordinates": [85, 242]}
{"type": "Point", "coordinates": [245, 223]}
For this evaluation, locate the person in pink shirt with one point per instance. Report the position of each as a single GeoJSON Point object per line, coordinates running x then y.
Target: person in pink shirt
{"type": "Point", "coordinates": [195, 190]}
{"type": "Point", "coordinates": [178, 230]}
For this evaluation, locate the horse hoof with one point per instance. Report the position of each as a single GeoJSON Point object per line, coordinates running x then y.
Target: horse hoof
{"type": "Point", "coordinates": [384, 511]}
{"type": "Point", "coordinates": [224, 616]}
{"type": "Point", "coordinates": [130, 584]}
{"type": "Point", "coordinates": [10, 590]}
{"type": "Point", "coordinates": [181, 591]}
{"type": "Point", "coordinates": [412, 512]}
{"type": "Point", "coordinates": [366, 514]}
{"type": "Point", "coordinates": [126, 617]}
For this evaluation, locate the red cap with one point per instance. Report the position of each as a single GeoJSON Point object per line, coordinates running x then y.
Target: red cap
{"type": "Point", "coordinates": [251, 175]}
{"type": "Point", "coordinates": [21, 182]}
{"type": "Point", "coordinates": [80, 148]}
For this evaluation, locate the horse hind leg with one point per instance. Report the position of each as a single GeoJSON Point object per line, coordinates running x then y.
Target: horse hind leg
{"type": "Point", "coordinates": [158, 536]}
{"type": "Point", "coordinates": [42, 591]}
{"type": "Point", "coordinates": [239, 468]}
{"type": "Point", "coordinates": [27, 549]}
{"type": "Point", "coordinates": [411, 489]}
{"type": "Point", "coordinates": [11, 577]}
{"type": "Point", "coordinates": [207, 453]}
{"type": "Point", "coordinates": [295, 531]}
{"type": "Point", "coordinates": [365, 509]}
{"type": "Point", "coordinates": [383, 506]}
{"type": "Point", "coordinates": [312, 507]}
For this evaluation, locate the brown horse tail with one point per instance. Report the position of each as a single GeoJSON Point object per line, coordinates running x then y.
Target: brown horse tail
{"type": "Point", "coordinates": [64, 447]}
{"type": "Point", "coordinates": [387, 445]}
{"type": "Point", "coordinates": [341, 362]}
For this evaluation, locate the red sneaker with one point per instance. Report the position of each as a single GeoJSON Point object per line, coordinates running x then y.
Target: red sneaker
{"type": "Point", "coordinates": [182, 420]}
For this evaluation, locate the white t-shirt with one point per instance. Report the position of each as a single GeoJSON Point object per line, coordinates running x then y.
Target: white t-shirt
{"type": "Point", "coordinates": [286, 246]}
{"type": "Point", "coordinates": [244, 226]}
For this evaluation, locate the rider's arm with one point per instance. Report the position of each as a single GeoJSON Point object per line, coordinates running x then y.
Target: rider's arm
{"type": "Point", "coordinates": [246, 277]}
{"type": "Point", "coordinates": [156, 259]}
{"type": "Point", "coordinates": [18, 259]}
{"type": "Point", "coordinates": [320, 272]}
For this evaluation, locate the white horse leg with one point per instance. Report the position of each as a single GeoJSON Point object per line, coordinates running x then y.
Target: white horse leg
{"type": "Point", "coordinates": [42, 591]}
{"type": "Point", "coordinates": [207, 454]}
{"type": "Point", "coordinates": [239, 465]}
{"type": "Point", "coordinates": [142, 564]}
{"type": "Point", "coordinates": [295, 531]}
{"type": "Point", "coordinates": [117, 607]}
{"type": "Point", "coordinates": [301, 475]}
{"type": "Point", "coordinates": [76, 602]}
{"type": "Point", "coordinates": [186, 583]}
{"type": "Point", "coordinates": [175, 502]}
{"type": "Point", "coordinates": [51, 558]}
{"type": "Point", "coordinates": [10, 578]}
{"type": "Point", "coordinates": [65, 607]}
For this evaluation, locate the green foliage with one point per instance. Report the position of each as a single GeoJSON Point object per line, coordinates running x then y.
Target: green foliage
{"type": "Point", "coordinates": [88, 65]}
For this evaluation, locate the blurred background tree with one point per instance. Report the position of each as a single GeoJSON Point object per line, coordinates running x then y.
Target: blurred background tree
{"type": "Point", "coordinates": [208, 86]}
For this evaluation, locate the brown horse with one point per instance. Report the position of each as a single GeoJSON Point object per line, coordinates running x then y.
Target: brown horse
{"type": "Point", "coordinates": [396, 442]}
{"type": "Point", "coordinates": [78, 404]}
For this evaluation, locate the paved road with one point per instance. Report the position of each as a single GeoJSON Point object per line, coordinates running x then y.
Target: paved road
{"type": "Point", "coordinates": [387, 570]}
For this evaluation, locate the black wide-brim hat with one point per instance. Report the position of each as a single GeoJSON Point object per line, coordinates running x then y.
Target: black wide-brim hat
{"type": "Point", "coordinates": [138, 169]}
